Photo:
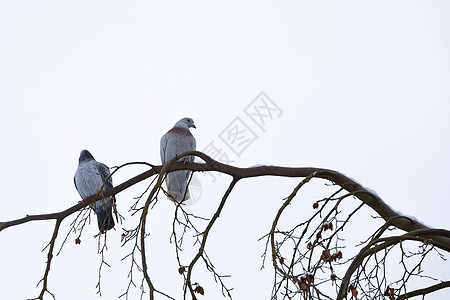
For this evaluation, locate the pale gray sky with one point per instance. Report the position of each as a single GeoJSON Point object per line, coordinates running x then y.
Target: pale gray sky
{"type": "Point", "coordinates": [363, 89]}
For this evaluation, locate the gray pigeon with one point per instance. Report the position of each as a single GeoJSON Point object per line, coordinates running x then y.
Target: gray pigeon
{"type": "Point", "coordinates": [176, 141]}
{"type": "Point", "coordinates": [89, 178]}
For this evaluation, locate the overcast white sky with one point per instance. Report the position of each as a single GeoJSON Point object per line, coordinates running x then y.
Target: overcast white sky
{"type": "Point", "coordinates": [363, 88]}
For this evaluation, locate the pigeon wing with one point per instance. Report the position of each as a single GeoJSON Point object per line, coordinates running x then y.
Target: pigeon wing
{"type": "Point", "coordinates": [103, 208]}
{"type": "Point", "coordinates": [163, 148]}
{"type": "Point", "coordinates": [103, 171]}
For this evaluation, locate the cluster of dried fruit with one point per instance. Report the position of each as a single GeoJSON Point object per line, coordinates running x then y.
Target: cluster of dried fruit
{"type": "Point", "coordinates": [327, 225]}
{"type": "Point", "coordinates": [389, 292]}
{"type": "Point", "coordinates": [327, 257]}
{"type": "Point", "coordinates": [305, 281]}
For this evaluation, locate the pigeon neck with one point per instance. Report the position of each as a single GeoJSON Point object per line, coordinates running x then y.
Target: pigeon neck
{"type": "Point", "coordinates": [180, 131]}
{"type": "Point", "coordinates": [85, 159]}
{"type": "Point", "coordinates": [181, 125]}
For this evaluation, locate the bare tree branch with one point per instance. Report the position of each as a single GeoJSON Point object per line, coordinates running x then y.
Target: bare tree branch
{"type": "Point", "coordinates": [422, 235]}
{"type": "Point", "coordinates": [425, 291]}
{"type": "Point", "coordinates": [50, 246]}
{"type": "Point", "coordinates": [205, 236]}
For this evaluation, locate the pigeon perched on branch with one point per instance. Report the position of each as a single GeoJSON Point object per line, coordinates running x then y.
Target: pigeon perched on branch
{"type": "Point", "coordinates": [176, 141]}
{"type": "Point", "coordinates": [91, 178]}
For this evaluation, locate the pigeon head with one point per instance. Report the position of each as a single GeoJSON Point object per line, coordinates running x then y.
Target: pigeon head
{"type": "Point", "coordinates": [185, 123]}
{"type": "Point", "coordinates": [85, 156]}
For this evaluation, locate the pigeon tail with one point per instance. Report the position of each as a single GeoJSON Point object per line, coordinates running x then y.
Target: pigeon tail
{"type": "Point", "coordinates": [104, 217]}
{"type": "Point", "coordinates": [176, 186]}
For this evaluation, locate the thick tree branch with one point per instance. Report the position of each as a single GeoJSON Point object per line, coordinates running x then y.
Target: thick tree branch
{"type": "Point", "coordinates": [425, 291]}
{"type": "Point", "coordinates": [374, 201]}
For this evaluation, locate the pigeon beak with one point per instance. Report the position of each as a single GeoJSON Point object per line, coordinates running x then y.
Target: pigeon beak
{"type": "Point", "coordinates": [194, 126]}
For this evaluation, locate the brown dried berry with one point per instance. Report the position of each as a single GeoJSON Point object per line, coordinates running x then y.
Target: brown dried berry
{"type": "Point", "coordinates": [325, 255]}
{"type": "Point", "coordinates": [353, 290]}
{"type": "Point", "coordinates": [181, 270]}
{"type": "Point", "coordinates": [77, 241]}
{"type": "Point", "coordinates": [389, 292]}
{"type": "Point", "coordinates": [199, 290]}
{"type": "Point", "coordinates": [316, 205]}
{"type": "Point", "coordinates": [310, 278]}
{"type": "Point", "coordinates": [281, 260]}
{"type": "Point", "coordinates": [303, 284]}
